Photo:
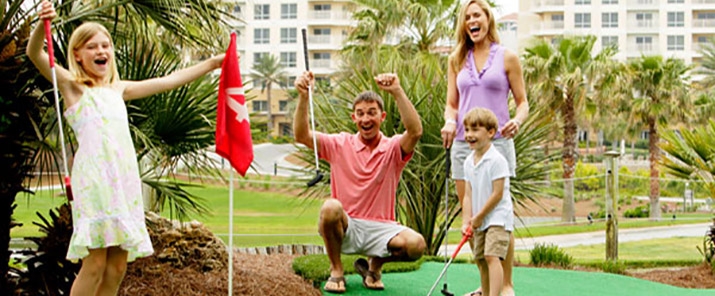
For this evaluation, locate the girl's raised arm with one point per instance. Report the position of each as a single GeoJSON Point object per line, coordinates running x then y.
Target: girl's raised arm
{"type": "Point", "coordinates": [141, 89]}
{"type": "Point", "coordinates": [38, 56]}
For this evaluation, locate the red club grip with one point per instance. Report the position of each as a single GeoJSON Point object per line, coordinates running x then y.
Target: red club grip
{"type": "Point", "coordinates": [461, 243]}
{"type": "Point", "coordinates": [48, 37]}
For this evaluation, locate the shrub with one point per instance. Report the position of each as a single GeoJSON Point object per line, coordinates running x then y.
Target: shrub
{"type": "Point", "coordinates": [708, 250]}
{"type": "Point", "coordinates": [549, 254]}
{"type": "Point", "coordinates": [588, 184]}
{"type": "Point", "coordinates": [637, 212]}
{"type": "Point", "coordinates": [616, 267]}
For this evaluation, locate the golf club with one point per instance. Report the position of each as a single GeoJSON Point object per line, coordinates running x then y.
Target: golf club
{"type": "Point", "coordinates": [456, 251]}
{"type": "Point", "coordinates": [318, 175]}
{"type": "Point", "coordinates": [51, 53]}
{"type": "Point", "coordinates": [448, 165]}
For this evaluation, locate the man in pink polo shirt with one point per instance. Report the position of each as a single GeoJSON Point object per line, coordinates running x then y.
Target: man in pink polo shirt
{"type": "Point", "coordinates": [364, 171]}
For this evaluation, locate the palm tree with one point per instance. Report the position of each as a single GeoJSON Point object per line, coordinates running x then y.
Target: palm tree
{"type": "Point", "coordinates": [268, 70]}
{"type": "Point", "coordinates": [690, 154]}
{"type": "Point", "coordinates": [565, 78]}
{"type": "Point", "coordinates": [659, 91]}
{"type": "Point", "coordinates": [18, 114]}
{"type": "Point", "coordinates": [707, 65]}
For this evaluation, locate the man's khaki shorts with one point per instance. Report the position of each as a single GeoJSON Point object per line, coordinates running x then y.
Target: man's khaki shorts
{"type": "Point", "coordinates": [493, 241]}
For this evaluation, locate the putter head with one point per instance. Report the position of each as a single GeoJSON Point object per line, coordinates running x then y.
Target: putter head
{"type": "Point", "coordinates": [318, 177]}
{"type": "Point", "coordinates": [445, 292]}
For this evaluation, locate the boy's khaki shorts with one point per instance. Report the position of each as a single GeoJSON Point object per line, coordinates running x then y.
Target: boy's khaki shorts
{"type": "Point", "coordinates": [493, 241]}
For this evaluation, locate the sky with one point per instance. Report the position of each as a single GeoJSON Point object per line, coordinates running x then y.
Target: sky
{"type": "Point", "coordinates": [506, 7]}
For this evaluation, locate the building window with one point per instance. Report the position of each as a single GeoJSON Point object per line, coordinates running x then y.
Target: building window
{"type": "Point", "coordinates": [607, 41]}
{"type": "Point", "coordinates": [322, 32]}
{"type": "Point", "coordinates": [582, 20]}
{"type": "Point", "coordinates": [283, 106]}
{"type": "Point", "coordinates": [676, 19]}
{"type": "Point", "coordinates": [644, 20]}
{"type": "Point", "coordinates": [286, 129]}
{"type": "Point", "coordinates": [236, 10]}
{"type": "Point", "coordinates": [676, 1]}
{"type": "Point", "coordinates": [289, 35]}
{"type": "Point", "coordinates": [321, 7]}
{"type": "Point", "coordinates": [321, 59]}
{"type": "Point", "coordinates": [676, 43]}
{"type": "Point", "coordinates": [609, 20]}
{"type": "Point", "coordinates": [644, 43]}
{"type": "Point", "coordinates": [262, 11]}
{"type": "Point", "coordinates": [289, 11]}
{"type": "Point", "coordinates": [609, 2]}
{"type": "Point", "coordinates": [288, 59]}
{"type": "Point", "coordinates": [257, 56]}
{"type": "Point", "coordinates": [260, 106]}
{"type": "Point", "coordinates": [261, 36]}
{"type": "Point", "coordinates": [583, 2]}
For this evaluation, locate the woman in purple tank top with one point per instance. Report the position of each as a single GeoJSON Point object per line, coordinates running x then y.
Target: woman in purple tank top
{"type": "Point", "coordinates": [481, 74]}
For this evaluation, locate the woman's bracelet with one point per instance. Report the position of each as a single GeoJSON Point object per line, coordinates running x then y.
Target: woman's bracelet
{"type": "Point", "coordinates": [452, 121]}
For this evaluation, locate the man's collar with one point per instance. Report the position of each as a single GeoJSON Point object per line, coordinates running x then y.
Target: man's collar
{"type": "Point", "coordinates": [358, 145]}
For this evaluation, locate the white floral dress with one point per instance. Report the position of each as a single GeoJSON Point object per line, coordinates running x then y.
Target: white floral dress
{"type": "Point", "coordinates": [108, 208]}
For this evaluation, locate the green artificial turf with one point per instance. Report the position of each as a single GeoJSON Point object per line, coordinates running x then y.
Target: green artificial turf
{"type": "Point", "coordinates": [462, 278]}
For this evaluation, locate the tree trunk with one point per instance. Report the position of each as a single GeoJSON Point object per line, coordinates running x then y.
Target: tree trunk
{"type": "Point", "coordinates": [568, 155]}
{"type": "Point", "coordinates": [654, 172]}
{"type": "Point", "coordinates": [269, 124]}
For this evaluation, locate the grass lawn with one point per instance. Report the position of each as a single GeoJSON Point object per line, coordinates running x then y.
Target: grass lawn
{"type": "Point", "coordinates": [662, 249]}
{"type": "Point", "coordinates": [266, 218]}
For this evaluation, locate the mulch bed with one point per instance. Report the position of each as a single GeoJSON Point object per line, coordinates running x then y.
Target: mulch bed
{"type": "Point", "coordinates": [253, 275]}
{"type": "Point", "coordinates": [697, 277]}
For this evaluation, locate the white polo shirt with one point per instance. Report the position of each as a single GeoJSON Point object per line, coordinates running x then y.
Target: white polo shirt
{"type": "Point", "coordinates": [491, 167]}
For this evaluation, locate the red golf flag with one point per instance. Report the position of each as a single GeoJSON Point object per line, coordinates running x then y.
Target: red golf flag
{"type": "Point", "coordinates": [233, 130]}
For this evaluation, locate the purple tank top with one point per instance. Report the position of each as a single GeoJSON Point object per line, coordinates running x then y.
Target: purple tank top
{"type": "Point", "coordinates": [487, 89]}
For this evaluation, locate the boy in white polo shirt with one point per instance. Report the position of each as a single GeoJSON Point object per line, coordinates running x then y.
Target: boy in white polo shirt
{"type": "Point", "coordinates": [487, 206]}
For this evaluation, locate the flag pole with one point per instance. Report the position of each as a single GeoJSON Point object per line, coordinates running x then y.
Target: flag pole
{"type": "Point", "coordinates": [230, 234]}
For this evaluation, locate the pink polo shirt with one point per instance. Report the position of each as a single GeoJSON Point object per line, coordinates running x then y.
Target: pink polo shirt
{"type": "Point", "coordinates": [364, 181]}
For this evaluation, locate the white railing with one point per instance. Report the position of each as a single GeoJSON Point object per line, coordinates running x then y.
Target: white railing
{"type": "Point", "coordinates": [321, 63]}
{"type": "Point", "coordinates": [703, 23]}
{"type": "Point", "coordinates": [644, 48]}
{"type": "Point", "coordinates": [643, 24]}
{"type": "Point", "coordinates": [319, 39]}
{"type": "Point", "coordinates": [552, 25]}
{"type": "Point", "coordinates": [643, 2]}
{"type": "Point", "coordinates": [330, 14]}
{"type": "Point", "coordinates": [540, 3]}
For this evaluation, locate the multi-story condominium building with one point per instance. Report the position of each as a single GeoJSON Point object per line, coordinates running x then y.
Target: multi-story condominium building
{"type": "Point", "coordinates": [671, 28]}
{"type": "Point", "coordinates": [273, 27]}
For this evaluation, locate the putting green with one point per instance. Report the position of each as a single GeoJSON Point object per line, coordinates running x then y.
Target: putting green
{"type": "Point", "coordinates": [462, 278]}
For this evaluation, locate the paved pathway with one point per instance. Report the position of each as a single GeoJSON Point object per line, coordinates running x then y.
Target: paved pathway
{"type": "Point", "coordinates": [599, 237]}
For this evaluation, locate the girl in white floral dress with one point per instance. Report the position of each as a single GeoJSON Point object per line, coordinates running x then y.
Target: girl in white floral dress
{"type": "Point", "coordinates": [108, 211]}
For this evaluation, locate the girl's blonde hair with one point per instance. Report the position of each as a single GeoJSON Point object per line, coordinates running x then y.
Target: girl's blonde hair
{"type": "Point", "coordinates": [79, 37]}
{"type": "Point", "coordinates": [464, 43]}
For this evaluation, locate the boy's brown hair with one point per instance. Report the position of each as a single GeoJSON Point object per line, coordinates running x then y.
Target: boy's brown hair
{"type": "Point", "coordinates": [481, 117]}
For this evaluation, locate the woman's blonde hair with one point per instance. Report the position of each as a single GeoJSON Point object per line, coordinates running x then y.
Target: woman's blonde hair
{"type": "Point", "coordinates": [79, 37]}
{"type": "Point", "coordinates": [464, 43]}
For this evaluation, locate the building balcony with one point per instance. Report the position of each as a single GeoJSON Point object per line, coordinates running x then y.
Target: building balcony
{"type": "Point", "coordinates": [325, 42]}
{"type": "Point", "coordinates": [696, 2]}
{"type": "Point", "coordinates": [639, 27]}
{"type": "Point", "coordinates": [330, 17]}
{"type": "Point", "coordinates": [636, 50]}
{"type": "Point", "coordinates": [540, 6]}
{"type": "Point", "coordinates": [703, 23]}
{"type": "Point", "coordinates": [550, 28]}
{"type": "Point", "coordinates": [643, 4]}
